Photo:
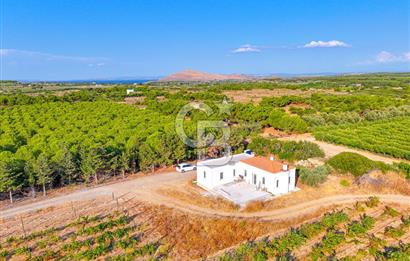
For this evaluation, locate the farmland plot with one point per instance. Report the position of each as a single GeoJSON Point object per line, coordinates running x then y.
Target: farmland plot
{"type": "Point", "coordinates": [384, 137]}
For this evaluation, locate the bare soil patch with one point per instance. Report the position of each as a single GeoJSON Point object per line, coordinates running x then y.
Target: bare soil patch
{"type": "Point", "coordinates": [270, 132]}
{"type": "Point", "coordinates": [134, 100]}
{"type": "Point", "coordinates": [256, 95]}
{"type": "Point", "coordinates": [192, 194]}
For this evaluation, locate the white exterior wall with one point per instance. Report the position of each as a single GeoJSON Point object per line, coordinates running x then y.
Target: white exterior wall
{"type": "Point", "coordinates": [212, 177]}
{"type": "Point", "coordinates": [255, 174]}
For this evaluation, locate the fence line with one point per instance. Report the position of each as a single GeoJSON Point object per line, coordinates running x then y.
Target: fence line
{"type": "Point", "coordinates": [58, 215]}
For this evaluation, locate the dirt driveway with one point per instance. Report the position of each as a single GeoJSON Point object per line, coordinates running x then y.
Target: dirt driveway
{"type": "Point", "coordinates": [146, 189]}
{"type": "Point", "coordinates": [139, 188]}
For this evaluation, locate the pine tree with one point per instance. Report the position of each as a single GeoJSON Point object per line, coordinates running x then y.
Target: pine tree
{"type": "Point", "coordinates": [43, 171]}
{"type": "Point", "coordinates": [10, 175]}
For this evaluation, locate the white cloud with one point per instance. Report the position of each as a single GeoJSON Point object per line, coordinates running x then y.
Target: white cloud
{"type": "Point", "coordinates": [246, 48]}
{"type": "Point", "coordinates": [47, 56]}
{"type": "Point", "coordinates": [319, 44]}
{"type": "Point", "coordinates": [387, 57]}
{"type": "Point", "coordinates": [5, 52]}
{"type": "Point", "coordinates": [96, 64]}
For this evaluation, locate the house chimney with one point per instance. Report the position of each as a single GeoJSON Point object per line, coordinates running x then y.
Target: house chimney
{"type": "Point", "coordinates": [272, 158]}
{"type": "Point", "coordinates": [285, 167]}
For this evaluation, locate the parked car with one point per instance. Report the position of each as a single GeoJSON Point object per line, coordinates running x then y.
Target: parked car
{"type": "Point", "coordinates": [182, 167]}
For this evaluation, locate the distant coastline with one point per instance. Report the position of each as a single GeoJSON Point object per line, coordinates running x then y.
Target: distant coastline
{"type": "Point", "coordinates": [130, 81]}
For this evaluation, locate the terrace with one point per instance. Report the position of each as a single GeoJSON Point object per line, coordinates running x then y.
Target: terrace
{"type": "Point", "coordinates": [240, 193]}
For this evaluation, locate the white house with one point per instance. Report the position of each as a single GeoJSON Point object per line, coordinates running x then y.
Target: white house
{"type": "Point", "coordinates": [130, 90]}
{"type": "Point", "coordinates": [264, 173]}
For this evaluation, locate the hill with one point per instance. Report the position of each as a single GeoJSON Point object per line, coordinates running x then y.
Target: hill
{"type": "Point", "coordinates": [196, 76]}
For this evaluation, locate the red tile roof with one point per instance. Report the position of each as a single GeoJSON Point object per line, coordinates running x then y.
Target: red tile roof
{"type": "Point", "coordinates": [273, 166]}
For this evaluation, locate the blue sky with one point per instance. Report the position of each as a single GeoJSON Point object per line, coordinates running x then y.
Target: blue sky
{"type": "Point", "coordinates": [73, 39]}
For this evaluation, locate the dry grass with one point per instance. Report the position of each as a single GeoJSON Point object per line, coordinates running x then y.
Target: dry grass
{"type": "Point", "coordinates": [254, 206]}
{"type": "Point", "coordinates": [187, 236]}
{"type": "Point", "coordinates": [134, 100]}
{"type": "Point", "coordinates": [196, 237]}
{"type": "Point", "coordinates": [392, 184]}
{"type": "Point", "coordinates": [192, 195]}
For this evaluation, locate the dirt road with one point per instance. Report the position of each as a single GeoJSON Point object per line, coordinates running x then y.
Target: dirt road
{"type": "Point", "coordinates": [139, 187]}
{"type": "Point", "coordinates": [332, 149]}
{"type": "Point", "coordinates": [145, 189]}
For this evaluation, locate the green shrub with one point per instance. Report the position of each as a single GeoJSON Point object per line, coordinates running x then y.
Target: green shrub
{"type": "Point", "coordinates": [315, 176]}
{"type": "Point", "coordinates": [333, 219]}
{"type": "Point", "coordinates": [360, 227]}
{"type": "Point", "coordinates": [344, 183]}
{"type": "Point", "coordinates": [391, 212]}
{"type": "Point", "coordinates": [356, 164]}
{"type": "Point", "coordinates": [359, 207]}
{"type": "Point", "coordinates": [282, 121]}
{"type": "Point", "coordinates": [372, 202]}
{"type": "Point", "coordinates": [289, 150]}
{"type": "Point", "coordinates": [394, 232]}
{"type": "Point", "coordinates": [400, 252]}
{"type": "Point", "coordinates": [404, 168]}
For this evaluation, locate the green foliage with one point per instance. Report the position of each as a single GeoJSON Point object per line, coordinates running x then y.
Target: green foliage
{"type": "Point", "coordinates": [92, 238]}
{"type": "Point", "coordinates": [281, 247]}
{"type": "Point", "coordinates": [388, 137]}
{"type": "Point", "coordinates": [328, 245]}
{"type": "Point", "coordinates": [282, 121]}
{"type": "Point", "coordinates": [391, 212]}
{"type": "Point", "coordinates": [372, 202]}
{"type": "Point", "coordinates": [315, 176]}
{"type": "Point", "coordinates": [352, 117]}
{"type": "Point", "coordinates": [289, 150]}
{"type": "Point", "coordinates": [345, 183]}
{"type": "Point", "coordinates": [356, 228]}
{"type": "Point", "coordinates": [404, 168]}
{"type": "Point", "coordinates": [394, 232]}
{"type": "Point", "coordinates": [331, 220]}
{"type": "Point", "coordinates": [397, 253]}
{"type": "Point", "coordinates": [58, 143]}
{"type": "Point", "coordinates": [356, 164]}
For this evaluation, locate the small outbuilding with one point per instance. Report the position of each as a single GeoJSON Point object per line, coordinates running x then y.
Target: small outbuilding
{"type": "Point", "coordinates": [130, 90]}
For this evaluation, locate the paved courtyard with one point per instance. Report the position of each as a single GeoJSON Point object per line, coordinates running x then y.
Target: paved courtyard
{"type": "Point", "coordinates": [240, 193]}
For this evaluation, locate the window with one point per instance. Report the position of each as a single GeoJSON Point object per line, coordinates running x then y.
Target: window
{"type": "Point", "coordinates": [221, 175]}
{"type": "Point", "coordinates": [277, 183]}
{"type": "Point", "coordinates": [263, 180]}
{"type": "Point", "coordinates": [289, 180]}
{"type": "Point", "coordinates": [245, 172]}
{"type": "Point", "coordinates": [254, 179]}
{"type": "Point", "coordinates": [234, 172]}
{"type": "Point", "coordinates": [204, 174]}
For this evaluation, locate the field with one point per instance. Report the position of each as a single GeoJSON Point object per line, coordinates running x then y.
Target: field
{"type": "Point", "coordinates": [384, 137]}
{"type": "Point", "coordinates": [365, 231]}
{"type": "Point", "coordinates": [128, 229]}
{"type": "Point", "coordinates": [131, 230]}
